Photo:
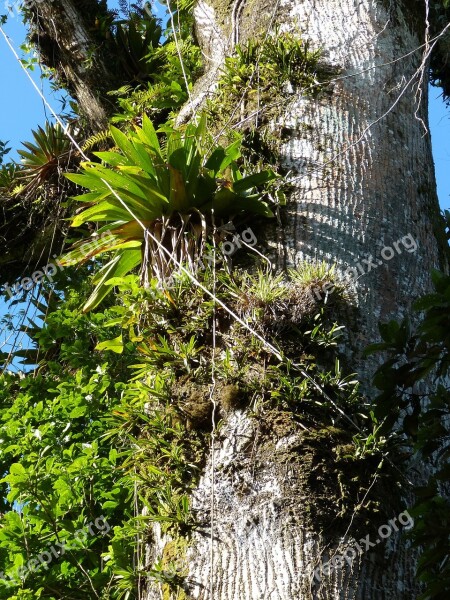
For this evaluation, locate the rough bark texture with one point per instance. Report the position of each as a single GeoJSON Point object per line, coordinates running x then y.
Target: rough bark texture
{"type": "Point", "coordinates": [363, 179]}
{"type": "Point", "coordinates": [69, 38]}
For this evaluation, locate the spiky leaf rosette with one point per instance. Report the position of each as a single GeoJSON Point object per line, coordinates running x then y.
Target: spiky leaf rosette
{"type": "Point", "coordinates": [171, 193]}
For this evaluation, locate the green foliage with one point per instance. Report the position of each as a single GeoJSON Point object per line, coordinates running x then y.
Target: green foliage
{"type": "Point", "coordinates": [136, 39]}
{"type": "Point", "coordinates": [162, 69]}
{"type": "Point", "coordinates": [8, 173]}
{"type": "Point", "coordinates": [96, 139]}
{"type": "Point", "coordinates": [3, 151]}
{"type": "Point", "coordinates": [167, 92]}
{"type": "Point", "coordinates": [309, 273]}
{"type": "Point", "coordinates": [59, 474]}
{"type": "Point", "coordinates": [281, 58]}
{"type": "Point", "coordinates": [82, 437]}
{"type": "Point", "coordinates": [258, 76]}
{"type": "Point", "coordinates": [265, 287]}
{"type": "Point", "coordinates": [372, 442]}
{"type": "Point", "coordinates": [172, 329]}
{"type": "Point", "coordinates": [117, 417]}
{"type": "Point", "coordinates": [174, 191]}
{"type": "Point", "coordinates": [415, 393]}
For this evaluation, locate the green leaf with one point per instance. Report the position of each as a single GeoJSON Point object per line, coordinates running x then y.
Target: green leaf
{"type": "Point", "coordinates": [226, 203]}
{"type": "Point", "coordinates": [115, 345]}
{"type": "Point", "coordinates": [122, 263]}
{"type": "Point", "coordinates": [113, 158]}
{"type": "Point", "coordinates": [78, 411]}
{"type": "Point", "coordinates": [221, 158]}
{"type": "Point", "coordinates": [103, 211]}
{"type": "Point", "coordinates": [389, 332]}
{"type": "Point", "coordinates": [125, 145]}
{"type": "Point", "coordinates": [149, 135]}
{"type": "Point", "coordinates": [254, 180]}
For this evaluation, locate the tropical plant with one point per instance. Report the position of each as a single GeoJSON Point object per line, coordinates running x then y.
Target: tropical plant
{"type": "Point", "coordinates": [255, 67]}
{"type": "Point", "coordinates": [321, 280]}
{"type": "Point", "coordinates": [8, 173]}
{"type": "Point", "coordinates": [156, 204]}
{"type": "Point", "coordinates": [44, 158]}
{"type": "Point", "coordinates": [136, 38]}
{"type": "Point", "coordinates": [313, 273]}
{"type": "Point", "coordinates": [58, 473]}
{"type": "Point", "coordinates": [292, 57]}
{"type": "Point", "coordinates": [159, 81]}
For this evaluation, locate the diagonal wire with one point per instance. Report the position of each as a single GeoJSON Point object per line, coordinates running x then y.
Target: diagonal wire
{"type": "Point", "coordinates": [213, 416]}
{"type": "Point", "coordinates": [180, 56]}
{"type": "Point", "coordinates": [420, 70]}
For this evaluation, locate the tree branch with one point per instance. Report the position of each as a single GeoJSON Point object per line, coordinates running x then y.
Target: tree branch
{"type": "Point", "coordinates": [73, 38]}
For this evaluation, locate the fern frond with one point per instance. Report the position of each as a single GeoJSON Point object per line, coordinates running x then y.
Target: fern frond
{"type": "Point", "coordinates": [95, 140]}
{"type": "Point", "coordinates": [122, 91]}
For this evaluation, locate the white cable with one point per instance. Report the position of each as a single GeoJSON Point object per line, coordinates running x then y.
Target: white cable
{"type": "Point", "coordinates": [180, 57]}
{"type": "Point", "coordinates": [213, 418]}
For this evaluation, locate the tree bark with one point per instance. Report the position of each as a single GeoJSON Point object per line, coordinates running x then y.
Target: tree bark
{"type": "Point", "coordinates": [363, 180]}
{"type": "Point", "coordinates": [70, 39]}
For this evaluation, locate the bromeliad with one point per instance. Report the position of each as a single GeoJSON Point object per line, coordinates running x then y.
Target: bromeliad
{"type": "Point", "coordinates": [176, 192]}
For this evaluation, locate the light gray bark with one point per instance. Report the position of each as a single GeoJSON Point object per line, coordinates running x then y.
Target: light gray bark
{"type": "Point", "coordinates": [363, 179]}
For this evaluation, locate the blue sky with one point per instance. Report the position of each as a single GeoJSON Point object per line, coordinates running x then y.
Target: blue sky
{"type": "Point", "coordinates": [440, 137]}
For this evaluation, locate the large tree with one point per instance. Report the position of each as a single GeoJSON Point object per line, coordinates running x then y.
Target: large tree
{"type": "Point", "coordinates": [357, 156]}
{"type": "Point", "coordinates": [363, 177]}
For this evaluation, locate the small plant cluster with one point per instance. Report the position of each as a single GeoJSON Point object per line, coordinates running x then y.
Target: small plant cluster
{"type": "Point", "coordinates": [33, 195]}
{"type": "Point", "coordinates": [283, 57]}
{"type": "Point", "coordinates": [259, 76]}
{"type": "Point", "coordinates": [38, 177]}
{"type": "Point", "coordinates": [167, 92]}
{"type": "Point", "coordinates": [3, 151]}
{"type": "Point", "coordinates": [44, 160]}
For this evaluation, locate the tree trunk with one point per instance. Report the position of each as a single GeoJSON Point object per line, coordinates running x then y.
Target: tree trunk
{"type": "Point", "coordinates": [363, 180]}
{"type": "Point", "coordinates": [73, 39]}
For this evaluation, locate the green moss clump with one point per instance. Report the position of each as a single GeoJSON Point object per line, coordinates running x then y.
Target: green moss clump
{"type": "Point", "coordinates": [173, 561]}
